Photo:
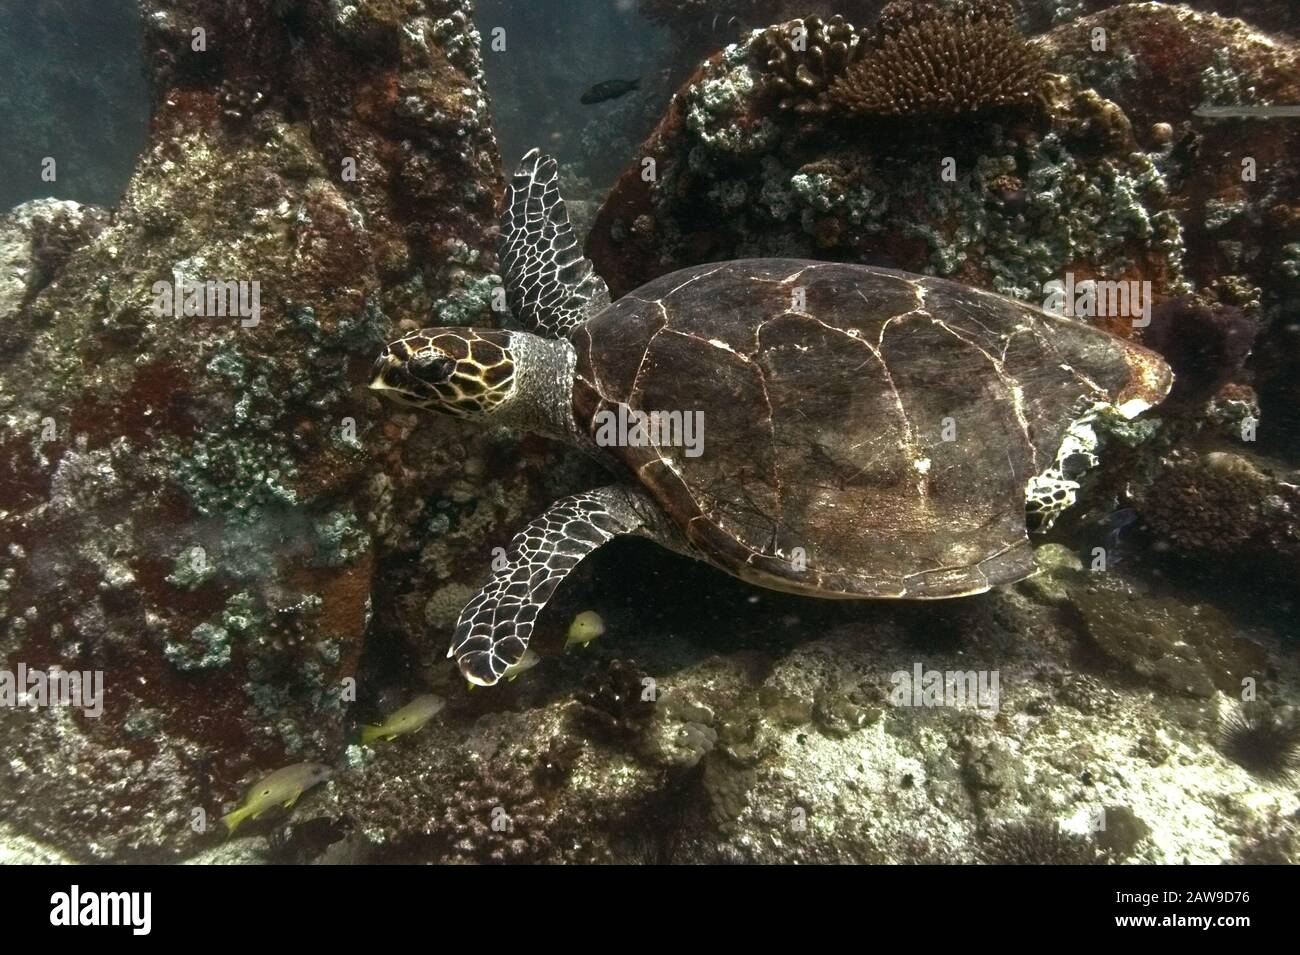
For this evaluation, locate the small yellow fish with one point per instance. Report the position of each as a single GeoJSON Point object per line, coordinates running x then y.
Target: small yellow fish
{"type": "Point", "coordinates": [406, 720]}
{"type": "Point", "coordinates": [281, 788]}
{"type": "Point", "coordinates": [524, 664]}
{"type": "Point", "coordinates": [586, 627]}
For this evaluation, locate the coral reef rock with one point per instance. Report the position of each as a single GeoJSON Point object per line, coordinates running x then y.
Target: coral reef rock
{"type": "Point", "coordinates": [197, 498]}
{"type": "Point", "coordinates": [1028, 746]}
{"type": "Point", "coordinates": [1220, 503]}
{"type": "Point", "coordinates": [1110, 176]}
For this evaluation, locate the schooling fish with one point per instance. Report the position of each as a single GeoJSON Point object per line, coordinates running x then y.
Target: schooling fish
{"type": "Point", "coordinates": [281, 788]}
{"type": "Point", "coordinates": [586, 627]}
{"type": "Point", "coordinates": [610, 89]}
{"type": "Point", "coordinates": [406, 720]}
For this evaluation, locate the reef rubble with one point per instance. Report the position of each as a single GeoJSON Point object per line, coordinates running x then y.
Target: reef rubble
{"type": "Point", "coordinates": [672, 741]}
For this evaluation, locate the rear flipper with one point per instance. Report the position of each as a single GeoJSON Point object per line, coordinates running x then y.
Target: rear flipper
{"type": "Point", "coordinates": [493, 630]}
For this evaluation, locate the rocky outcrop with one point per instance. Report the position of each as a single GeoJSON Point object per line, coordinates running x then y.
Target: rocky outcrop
{"type": "Point", "coordinates": [1025, 725]}
{"type": "Point", "coordinates": [198, 497]}
{"type": "Point", "coordinates": [1111, 176]}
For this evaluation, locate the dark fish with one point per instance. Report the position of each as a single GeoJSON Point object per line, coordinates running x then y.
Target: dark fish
{"type": "Point", "coordinates": [1113, 527]}
{"type": "Point", "coordinates": [610, 89]}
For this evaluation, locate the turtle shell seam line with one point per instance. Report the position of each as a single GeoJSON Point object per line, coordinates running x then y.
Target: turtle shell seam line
{"type": "Point", "coordinates": [718, 344]}
{"type": "Point", "coordinates": [884, 327]}
{"type": "Point", "coordinates": [693, 279]}
{"type": "Point", "coordinates": [790, 278]}
{"type": "Point", "coordinates": [771, 434]}
{"type": "Point", "coordinates": [1017, 393]}
{"type": "Point", "coordinates": [1047, 342]}
{"type": "Point", "coordinates": [971, 567]}
{"type": "Point", "coordinates": [645, 357]}
{"type": "Point", "coordinates": [909, 433]}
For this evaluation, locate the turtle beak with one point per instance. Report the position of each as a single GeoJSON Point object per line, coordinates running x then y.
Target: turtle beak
{"type": "Point", "coordinates": [384, 367]}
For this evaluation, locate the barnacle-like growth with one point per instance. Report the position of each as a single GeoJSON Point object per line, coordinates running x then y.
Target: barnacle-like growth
{"type": "Point", "coordinates": [1262, 742]}
{"type": "Point", "coordinates": [239, 101]}
{"type": "Point", "coordinates": [1217, 503]}
{"type": "Point", "coordinates": [799, 59]}
{"type": "Point", "coordinates": [927, 61]}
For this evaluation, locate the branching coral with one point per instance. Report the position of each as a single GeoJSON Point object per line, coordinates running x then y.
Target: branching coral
{"type": "Point", "coordinates": [924, 60]}
{"type": "Point", "coordinates": [801, 58]}
{"type": "Point", "coordinates": [503, 807]}
{"type": "Point", "coordinates": [1038, 841]}
{"type": "Point", "coordinates": [498, 813]}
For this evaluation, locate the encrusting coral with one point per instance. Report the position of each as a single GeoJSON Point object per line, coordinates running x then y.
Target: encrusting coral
{"type": "Point", "coordinates": [1188, 649]}
{"type": "Point", "coordinates": [1220, 503]}
{"type": "Point", "coordinates": [195, 504]}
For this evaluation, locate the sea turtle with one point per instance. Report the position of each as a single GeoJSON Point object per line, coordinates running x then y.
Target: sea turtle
{"type": "Point", "coordinates": [866, 433]}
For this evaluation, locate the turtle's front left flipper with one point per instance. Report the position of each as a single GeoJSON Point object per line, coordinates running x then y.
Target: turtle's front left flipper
{"type": "Point", "coordinates": [551, 288]}
{"type": "Point", "coordinates": [493, 630]}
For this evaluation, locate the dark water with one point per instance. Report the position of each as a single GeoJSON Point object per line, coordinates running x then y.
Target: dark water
{"type": "Point", "coordinates": [554, 52]}
{"type": "Point", "coordinates": [72, 86]}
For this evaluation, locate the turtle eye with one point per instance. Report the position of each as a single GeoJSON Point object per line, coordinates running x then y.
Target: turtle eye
{"type": "Point", "coordinates": [431, 367]}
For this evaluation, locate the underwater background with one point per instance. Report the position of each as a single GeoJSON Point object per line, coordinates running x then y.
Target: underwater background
{"type": "Point", "coordinates": [261, 558]}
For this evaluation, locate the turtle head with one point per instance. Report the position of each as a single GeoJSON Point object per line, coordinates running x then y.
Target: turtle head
{"type": "Point", "coordinates": [463, 372]}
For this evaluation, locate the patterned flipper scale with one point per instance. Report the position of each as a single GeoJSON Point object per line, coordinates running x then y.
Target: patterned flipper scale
{"type": "Point", "coordinates": [550, 287]}
{"type": "Point", "coordinates": [494, 628]}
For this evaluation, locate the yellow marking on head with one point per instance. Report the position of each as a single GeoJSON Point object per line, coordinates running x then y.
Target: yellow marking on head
{"type": "Point", "coordinates": [463, 372]}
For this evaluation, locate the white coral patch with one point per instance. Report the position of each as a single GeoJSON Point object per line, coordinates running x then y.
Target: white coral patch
{"type": "Point", "coordinates": [1133, 407]}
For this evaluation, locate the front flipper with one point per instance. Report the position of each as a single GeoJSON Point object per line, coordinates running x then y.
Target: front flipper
{"type": "Point", "coordinates": [550, 287]}
{"type": "Point", "coordinates": [493, 630]}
